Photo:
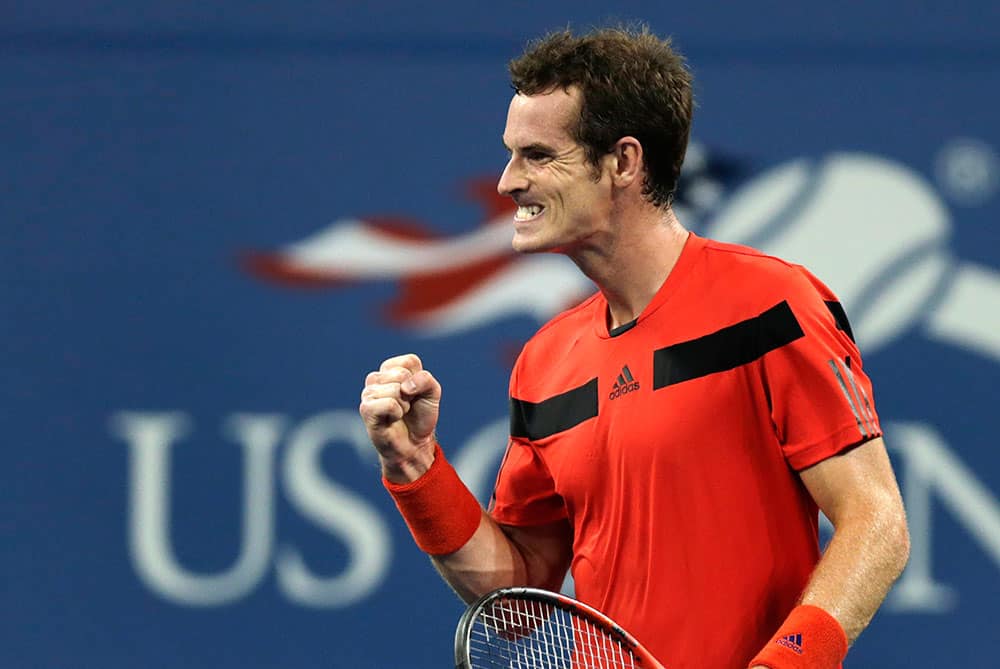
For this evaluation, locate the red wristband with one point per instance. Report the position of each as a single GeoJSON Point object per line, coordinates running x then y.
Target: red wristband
{"type": "Point", "coordinates": [438, 508]}
{"type": "Point", "coordinates": [810, 638]}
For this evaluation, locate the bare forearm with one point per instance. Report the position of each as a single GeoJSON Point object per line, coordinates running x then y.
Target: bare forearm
{"type": "Point", "coordinates": [499, 556]}
{"type": "Point", "coordinates": [862, 561]}
{"type": "Point", "coordinates": [857, 491]}
{"type": "Point", "coordinates": [864, 558]}
{"type": "Point", "coordinates": [487, 562]}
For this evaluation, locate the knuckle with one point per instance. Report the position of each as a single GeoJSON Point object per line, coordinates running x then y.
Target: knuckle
{"type": "Point", "coordinates": [401, 374]}
{"type": "Point", "coordinates": [382, 390]}
{"type": "Point", "coordinates": [408, 361]}
{"type": "Point", "coordinates": [394, 361]}
{"type": "Point", "coordinates": [398, 368]}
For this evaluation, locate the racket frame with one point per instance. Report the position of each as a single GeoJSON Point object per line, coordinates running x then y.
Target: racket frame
{"type": "Point", "coordinates": [465, 624]}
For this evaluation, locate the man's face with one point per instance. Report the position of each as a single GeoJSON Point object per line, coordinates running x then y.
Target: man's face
{"type": "Point", "coordinates": [562, 199]}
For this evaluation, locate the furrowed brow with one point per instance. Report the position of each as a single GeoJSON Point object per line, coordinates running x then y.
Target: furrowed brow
{"type": "Point", "coordinates": [536, 147]}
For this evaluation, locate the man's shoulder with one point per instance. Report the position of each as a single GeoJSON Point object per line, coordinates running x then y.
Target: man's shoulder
{"type": "Point", "coordinates": [746, 259]}
{"type": "Point", "coordinates": [571, 318]}
{"type": "Point", "coordinates": [755, 271]}
{"type": "Point", "coordinates": [559, 335]}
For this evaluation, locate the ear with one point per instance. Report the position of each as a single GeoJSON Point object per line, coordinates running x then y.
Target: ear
{"type": "Point", "coordinates": [626, 162]}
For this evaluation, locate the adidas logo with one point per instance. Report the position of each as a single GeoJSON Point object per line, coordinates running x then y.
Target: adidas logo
{"type": "Point", "coordinates": [625, 383]}
{"type": "Point", "coordinates": [792, 641]}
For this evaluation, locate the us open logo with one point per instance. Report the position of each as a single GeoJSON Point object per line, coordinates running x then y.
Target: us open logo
{"type": "Point", "coordinates": [830, 213]}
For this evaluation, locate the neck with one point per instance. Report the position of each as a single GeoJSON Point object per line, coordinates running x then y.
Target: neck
{"type": "Point", "coordinates": [632, 264]}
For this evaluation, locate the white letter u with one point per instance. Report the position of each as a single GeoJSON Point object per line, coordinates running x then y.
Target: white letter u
{"type": "Point", "coordinates": [150, 437]}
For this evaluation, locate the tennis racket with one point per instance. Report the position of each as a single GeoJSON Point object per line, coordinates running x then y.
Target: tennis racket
{"type": "Point", "coordinates": [527, 628]}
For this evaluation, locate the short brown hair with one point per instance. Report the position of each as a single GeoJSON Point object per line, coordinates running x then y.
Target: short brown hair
{"type": "Point", "coordinates": [632, 83]}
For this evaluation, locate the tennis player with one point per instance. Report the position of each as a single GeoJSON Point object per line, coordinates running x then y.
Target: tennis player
{"type": "Point", "coordinates": [673, 437]}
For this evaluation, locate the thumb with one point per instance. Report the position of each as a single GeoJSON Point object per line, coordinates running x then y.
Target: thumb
{"type": "Point", "coordinates": [423, 392]}
{"type": "Point", "coordinates": [421, 385]}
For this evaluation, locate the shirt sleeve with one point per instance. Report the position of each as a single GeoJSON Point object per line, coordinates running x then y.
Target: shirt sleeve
{"type": "Point", "coordinates": [525, 492]}
{"type": "Point", "coordinates": [821, 400]}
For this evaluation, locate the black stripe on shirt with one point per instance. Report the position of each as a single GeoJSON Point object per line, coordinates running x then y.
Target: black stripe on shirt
{"type": "Point", "coordinates": [840, 316]}
{"type": "Point", "coordinates": [536, 420]}
{"type": "Point", "coordinates": [727, 348]}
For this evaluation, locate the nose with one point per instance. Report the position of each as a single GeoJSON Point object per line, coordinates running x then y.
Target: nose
{"type": "Point", "coordinates": [512, 179]}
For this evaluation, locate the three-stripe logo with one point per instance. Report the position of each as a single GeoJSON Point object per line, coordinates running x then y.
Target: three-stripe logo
{"type": "Point", "coordinates": [791, 641]}
{"type": "Point", "coordinates": [625, 383]}
{"type": "Point", "coordinates": [857, 398]}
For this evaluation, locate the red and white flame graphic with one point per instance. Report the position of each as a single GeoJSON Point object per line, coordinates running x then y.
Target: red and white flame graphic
{"type": "Point", "coordinates": [446, 284]}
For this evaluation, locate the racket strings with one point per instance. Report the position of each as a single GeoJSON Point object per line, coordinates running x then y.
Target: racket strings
{"type": "Point", "coordinates": [525, 634]}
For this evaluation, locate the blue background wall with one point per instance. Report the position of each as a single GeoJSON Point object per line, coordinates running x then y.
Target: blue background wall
{"type": "Point", "coordinates": [147, 148]}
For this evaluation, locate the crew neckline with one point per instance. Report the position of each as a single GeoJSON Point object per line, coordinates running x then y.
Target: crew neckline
{"type": "Point", "coordinates": [689, 255]}
{"type": "Point", "coordinates": [622, 329]}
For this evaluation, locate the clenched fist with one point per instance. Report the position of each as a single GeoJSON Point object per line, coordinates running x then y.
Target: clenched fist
{"type": "Point", "coordinates": [399, 405]}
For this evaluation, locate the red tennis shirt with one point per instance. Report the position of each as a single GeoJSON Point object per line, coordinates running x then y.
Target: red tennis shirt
{"type": "Point", "coordinates": [672, 447]}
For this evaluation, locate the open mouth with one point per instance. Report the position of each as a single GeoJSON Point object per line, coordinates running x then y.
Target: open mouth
{"type": "Point", "coordinates": [527, 212]}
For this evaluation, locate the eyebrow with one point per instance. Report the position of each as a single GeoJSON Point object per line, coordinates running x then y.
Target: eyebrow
{"type": "Point", "coordinates": [535, 146]}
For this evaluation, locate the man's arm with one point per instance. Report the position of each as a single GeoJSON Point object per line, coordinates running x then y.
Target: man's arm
{"type": "Point", "coordinates": [857, 491]}
{"type": "Point", "coordinates": [500, 556]}
{"type": "Point", "coordinates": [400, 407]}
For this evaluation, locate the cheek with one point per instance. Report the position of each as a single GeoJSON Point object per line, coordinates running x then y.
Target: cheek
{"type": "Point", "coordinates": [584, 200]}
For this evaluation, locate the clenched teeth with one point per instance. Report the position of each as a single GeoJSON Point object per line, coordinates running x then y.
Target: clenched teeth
{"type": "Point", "coordinates": [528, 211]}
